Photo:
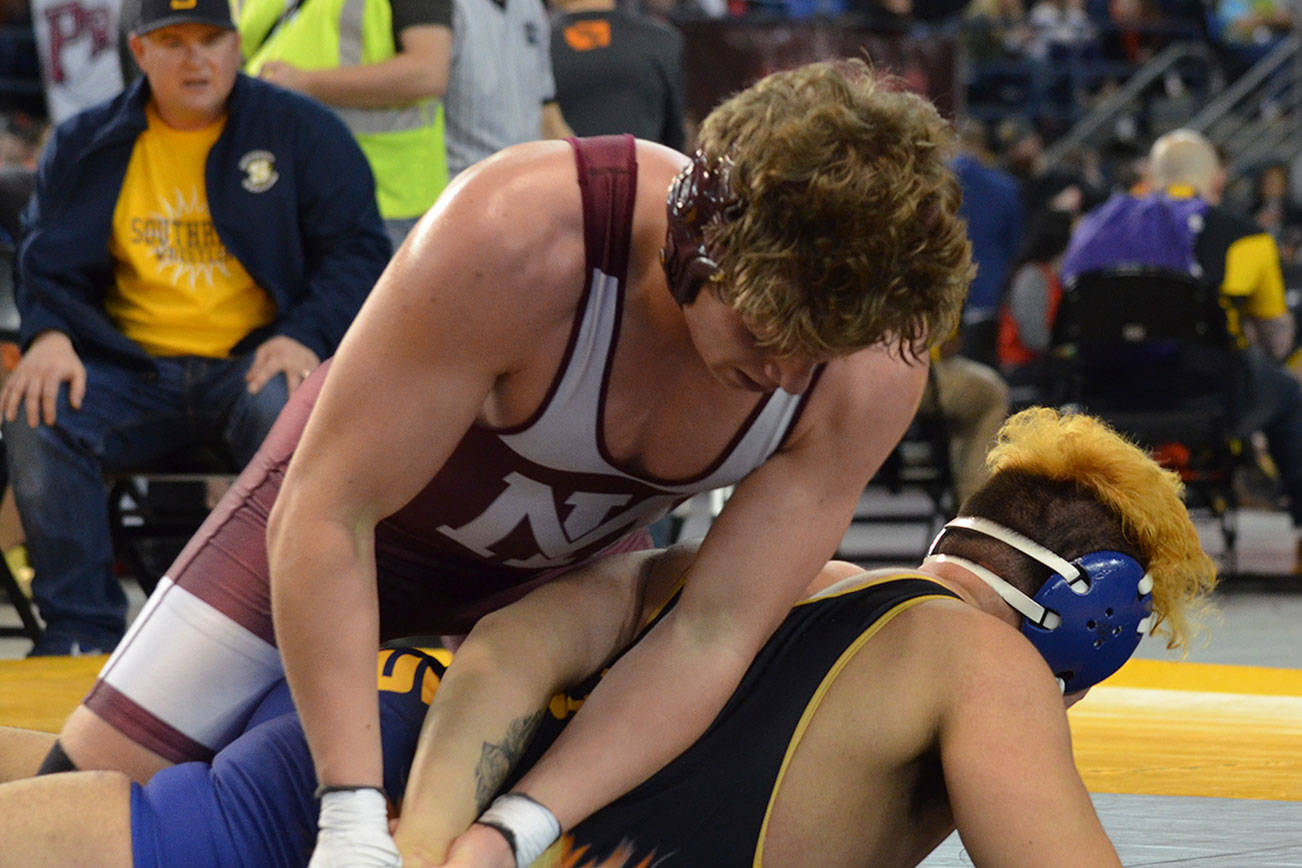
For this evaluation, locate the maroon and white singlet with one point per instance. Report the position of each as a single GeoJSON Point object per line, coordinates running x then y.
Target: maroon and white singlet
{"type": "Point", "coordinates": [509, 510]}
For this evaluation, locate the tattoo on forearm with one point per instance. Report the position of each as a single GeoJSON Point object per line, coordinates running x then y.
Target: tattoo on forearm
{"type": "Point", "coordinates": [497, 759]}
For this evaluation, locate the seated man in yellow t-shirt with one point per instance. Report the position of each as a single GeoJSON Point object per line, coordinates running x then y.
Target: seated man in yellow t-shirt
{"type": "Point", "coordinates": [194, 248]}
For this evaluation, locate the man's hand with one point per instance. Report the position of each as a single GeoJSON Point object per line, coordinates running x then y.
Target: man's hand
{"type": "Point", "coordinates": [48, 362]}
{"type": "Point", "coordinates": [477, 847]}
{"type": "Point", "coordinates": [284, 74]}
{"type": "Point", "coordinates": [354, 832]}
{"type": "Point", "coordinates": [277, 355]}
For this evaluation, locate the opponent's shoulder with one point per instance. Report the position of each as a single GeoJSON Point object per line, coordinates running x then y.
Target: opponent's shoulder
{"type": "Point", "coordinates": [985, 668]}
{"type": "Point", "coordinates": [897, 683]}
{"type": "Point", "coordinates": [963, 654]}
{"type": "Point", "coordinates": [646, 27]}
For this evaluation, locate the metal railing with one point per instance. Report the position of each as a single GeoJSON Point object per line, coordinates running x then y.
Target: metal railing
{"type": "Point", "coordinates": [1260, 114]}
{"type": "Point", "coordinates": [1129, 95]}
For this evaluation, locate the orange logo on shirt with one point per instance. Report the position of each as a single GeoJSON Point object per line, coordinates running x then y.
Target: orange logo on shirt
{"type": "Point", "coordinates": [183, 4]}
{"type": "Point", "coordinates": [587, 35]}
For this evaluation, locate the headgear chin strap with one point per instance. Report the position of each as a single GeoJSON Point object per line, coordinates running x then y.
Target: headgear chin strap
{"type": "Point", "coordinates": [1086, 619]}
{"type": "Point", "coordinates": [699, 196]}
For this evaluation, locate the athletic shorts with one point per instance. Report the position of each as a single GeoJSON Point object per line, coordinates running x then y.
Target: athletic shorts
{"type": "Point", "coordinates": [254, 805]}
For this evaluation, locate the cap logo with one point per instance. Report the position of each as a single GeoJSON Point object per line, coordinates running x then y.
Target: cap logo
{"type": "Point", "coordinates": [259, 168]}
{"type": "Point", "coordinates": [183, 4]}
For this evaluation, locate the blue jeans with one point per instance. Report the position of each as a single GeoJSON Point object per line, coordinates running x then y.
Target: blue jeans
{"type": "Point", "coordinates": [1274, 407]}
{"type": "Point", "coordinates": [129, 420]}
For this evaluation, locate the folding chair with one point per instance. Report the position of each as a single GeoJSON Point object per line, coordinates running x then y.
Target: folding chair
{"type": "Point", "coordinates": [1149, 351]}
{"type": "Point", "coordinates": [30, 628]}
{"type": "Point", "coordinates": [154, 512]}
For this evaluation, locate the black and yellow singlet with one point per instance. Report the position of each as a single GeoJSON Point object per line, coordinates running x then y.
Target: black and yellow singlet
{"type": "Point", "coordinates": [708, 807]}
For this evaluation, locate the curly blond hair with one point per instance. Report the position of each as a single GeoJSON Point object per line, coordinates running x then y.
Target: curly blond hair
{"type": "Point", "coordinates": [850, 235]}
{"type": "Point", "coordinates": [1073, 484]}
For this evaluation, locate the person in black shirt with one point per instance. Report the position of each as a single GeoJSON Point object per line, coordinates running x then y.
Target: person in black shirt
{"type": "Point", "coordinates": [618, 72]}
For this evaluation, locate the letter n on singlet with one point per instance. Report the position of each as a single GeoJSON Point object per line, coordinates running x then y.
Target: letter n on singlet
{"type": "Point", "coordinates": [528, 499]}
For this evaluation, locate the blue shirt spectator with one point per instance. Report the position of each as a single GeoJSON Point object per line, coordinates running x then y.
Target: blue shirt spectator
{"type": "Point", "coordinates": [992, 206]}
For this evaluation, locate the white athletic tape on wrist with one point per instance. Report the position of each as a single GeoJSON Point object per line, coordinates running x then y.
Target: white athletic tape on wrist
{"type": "Point", "coordinates": [354, 830]}
{"type": "Point", "coordinates": [528, 826]}
{"type": "Point", "coordinates": [353, 806]}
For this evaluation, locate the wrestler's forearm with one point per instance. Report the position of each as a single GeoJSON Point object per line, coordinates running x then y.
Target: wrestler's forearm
{"type": "Point", "coordinates": [482, 717]}
{"type": "Point", "coordinates": [501, 681]}
{"type": "Point", "coordinates": [650, 707]}
{"type": "Point", "coordinates": [324, 608]}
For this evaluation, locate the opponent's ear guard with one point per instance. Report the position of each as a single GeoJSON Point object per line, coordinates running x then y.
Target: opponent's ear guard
{"type": "Point", "coordinates": [1103, 617]}
{"type": "Point", "coordinates": [1086, 619]}
{"type": "Point", "coordinates": [699, 196]}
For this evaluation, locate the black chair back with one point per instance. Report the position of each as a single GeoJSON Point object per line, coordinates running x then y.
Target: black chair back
{"type": "Point", "coordinates": [1150, 351]}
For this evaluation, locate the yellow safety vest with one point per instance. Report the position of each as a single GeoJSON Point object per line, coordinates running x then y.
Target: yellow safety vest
{"type": "Point", "coordinates": [403, 144]}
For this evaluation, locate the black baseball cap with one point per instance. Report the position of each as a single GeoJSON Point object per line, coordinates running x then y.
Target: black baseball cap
{"type": "Point", "coordinates": [164, 13]}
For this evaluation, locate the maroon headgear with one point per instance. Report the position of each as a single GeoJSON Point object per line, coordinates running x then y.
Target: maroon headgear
{"type": "Point", "coordinates": [698, 197]}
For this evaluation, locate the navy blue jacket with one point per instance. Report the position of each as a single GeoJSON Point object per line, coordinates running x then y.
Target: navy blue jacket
{"type": "Point", "coordinates": [312, 239]}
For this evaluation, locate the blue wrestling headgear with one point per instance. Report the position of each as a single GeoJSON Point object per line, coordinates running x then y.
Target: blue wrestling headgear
{"type": "Point", "coordinates": [1086, 620]}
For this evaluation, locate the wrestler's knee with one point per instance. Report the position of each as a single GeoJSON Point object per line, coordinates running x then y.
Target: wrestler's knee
{"type": "Point", "coordinates": [90, 743]}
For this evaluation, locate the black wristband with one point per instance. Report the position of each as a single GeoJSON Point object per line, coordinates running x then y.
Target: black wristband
{"type": "Point", "coordinates": [503, 830]}
{"type": "Point", "coordinates": [323, 789]}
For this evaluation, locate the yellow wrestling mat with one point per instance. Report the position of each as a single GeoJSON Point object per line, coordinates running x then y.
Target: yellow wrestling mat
{"type": "Point", "coordinates": [1154, 728]}
{"type": "Point", "coordinates": [1192, 729]}
{"type": "Point", "coordinates": [41, 692]}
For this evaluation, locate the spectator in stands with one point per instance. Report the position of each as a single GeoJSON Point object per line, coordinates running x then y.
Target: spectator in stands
{"type": "Point", "coordinates": [21, 139]}
{"type": "Point", "coordinates": [618, 71]}
{"type": "Point", "coordinates": [194, 248]}
{"type": "Point", "coordinates": [1229, 252]}
{"type": "Point", "coordinates": [994, 30]}
{"type": "Point", "coordinates": [972, 400]}
{"type": "Point", "coordinates": [77, 45]}
{"type": "Point", "coordinates": [1030, 306]}
{"type": "Point", "coordinates": [1247, 30]}
{"type": "Point", "coordinates": [1059, 29]}
{"type": "Point", "coordinates": [993, 210]}
{"type": "Point", "coordinates": [16, 185]}
{"type": "Point", "coordinates": [1138, 29]}
{"type": "Point", "coordinates": [383, 75]}
{"type": "Point", "coordinates": [1043, 187]}
{"type": "Point", "coordinates": [501, 91]}
{"type": "Point", "coordinates": [1274, 210]}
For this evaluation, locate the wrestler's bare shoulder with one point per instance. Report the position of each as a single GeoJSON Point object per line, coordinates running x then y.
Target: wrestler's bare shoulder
{"type": "Point", "coordinates": [656, 168]}
{"type": "Point", "coordinates": [859, 393]}
{"type": "Point", "coordinates": [938, 661]}
{"type": "Point", "coordinates": [511, 224]}
{"type": "Point", "coordinates": [888, 802]}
